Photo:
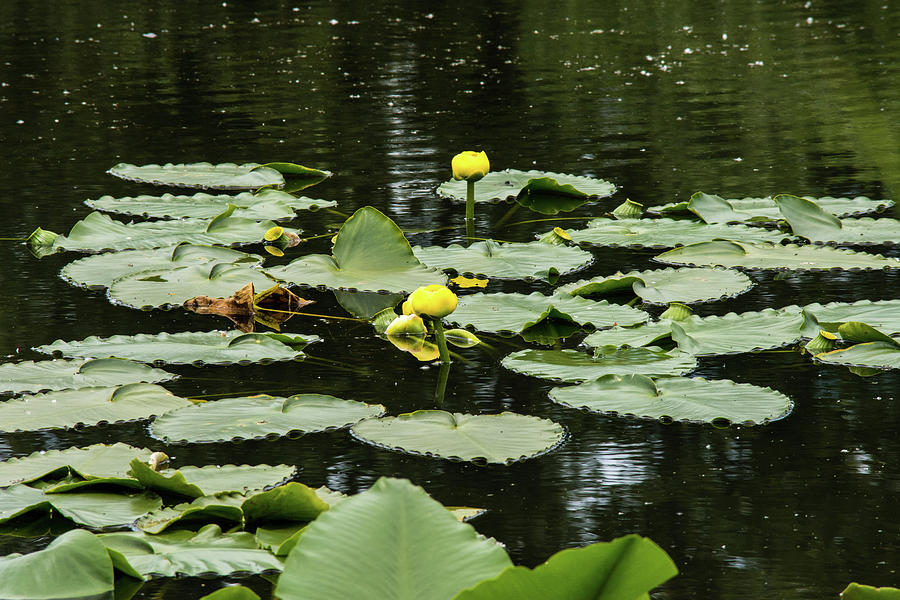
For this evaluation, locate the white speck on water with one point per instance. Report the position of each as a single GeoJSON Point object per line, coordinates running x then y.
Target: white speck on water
{"type": "Point", "coordinates": [150, 35]}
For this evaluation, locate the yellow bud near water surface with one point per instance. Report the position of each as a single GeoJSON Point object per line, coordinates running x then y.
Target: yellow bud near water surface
{"type": "Point", "coordinates": [406, 325]}
{"type": "Point", "coordinates": [470, 165]}
{"type": "Point", "coordinates": [433, 300]}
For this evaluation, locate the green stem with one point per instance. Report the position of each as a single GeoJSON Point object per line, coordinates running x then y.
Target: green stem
{"type": "Point", "coordinates": [470, 209]}
{"type": "Point", "coordinates": [441, 340]}
{"type": "Point", "coordinates": [443, 375]}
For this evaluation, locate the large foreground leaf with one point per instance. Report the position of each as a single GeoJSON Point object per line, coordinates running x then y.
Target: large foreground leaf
{"type": "Point", "coordinates": [370, 254]}
{"type": "Point", "coordinates": [90, 509]}
{"type": "Point", "coordinates": [627, 567]}
{"type": "Point", "coordinates": [172, 287]}
{"type": "Point", "coordinates": [574, 366]}
{"type": "Point", "coordinates": [224, 176]}
{"type": "Point", "coordinates": [516, 312]}
{"type": "Point", "coordinates": [504, 185]}
{"type": "Point", "coordinates": [74, 565]}
{"type": "Point", "coordinates": [391, 541]}
{"type": "Point", "coordinates": [101, 269]}
{"type": "Point", "coordinates": [725, 253]}
{"type": "Point", "coordinates": [662, 286]}
{"type": "Point", "coordinates": [195, 482]}
{"type": "Point", "coordinates": [676, 398]}
{"type": "Point", "coordinates": [96, 461]}
{"type": "Point", "coordinates": [267, 204]}
{"type": "Point", "coordinates": [87, 406]}
{"type": "Point", "coordinates": [186, 553]}
{"type": "Point", "coordinates": [502, 438]}
{"type": "Point", "coordinates": [665, 233]}
{"type": "Point", "coordinates": [44, 375]}
{"type": "Point", "coordinates": [206, 347]}
{"type": "Point", "coordinates": [497, 260]}
{"type": "Point", "coordinates": [257, 417]}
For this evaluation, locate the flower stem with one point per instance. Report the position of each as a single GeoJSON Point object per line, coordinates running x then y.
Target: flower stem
{"type": "Point", "coordinates": [443, 375]}
{"type": "Point", "coordinates": [441, 340]}
{"type": "Point", "coordinates": [470, 209]}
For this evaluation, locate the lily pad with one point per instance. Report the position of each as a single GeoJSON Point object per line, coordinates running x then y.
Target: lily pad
{"type": "Point", "coordinates": [383, 543]}
{"type": "Point", "coordinates": [224, 176]}
{"type": "Point", "coordinates": [195, 482]}
{"type": "Point", "coordinates": [856, 591]}
{"type": "Point", "coordinates": [96, 510]}
{"type": "Point", "coordinates": [28, 376]}
{"type": "Point", "coordinates": [172, 287]}
{"type": "Point", "coordinates": [665, 233]}
{"type": "Point", "coordinates": [98, 271]}
{"type": "Point", "coordinates": [216, 508]}
{"type": "Point", "coordinates": [191, 554]}
{"type": "Point", "coordinates": [512, 260]}
{"type": "Point", "coordinates": [370, 254]}
{"type": "Point", "coordinates": [203, 347]}
{"type": "Point", "coordinates": [96, 461]}
{"type": "Point", "coordinates": [811, 222]}
{"type": "Point", "coordinates": [87, 406]}
{"type": "Point", "coordinates": [883, 314]}
{"type": "Point", "coordinates": [876, 355]}
{"type": "Point", "coordinates": [516, 312]}
{"type": "Point", "coordinates": [502, 438]}
{"type": "Point", "coordinates": [574, 366]}
{"type": "Point", "coordinates": [676, 399]}
{"type": "Point", "coordinates": [765, 209]}
{"type": "Point", "coordinates": [505, 185]}
{"type": "Point", "coordinates": [267, 204]}
{"type": "Point", "coordinates": [258, 417]}
{"type": "Point", "coordinates": [662, 286]}
{"type": "Point", "coordinates": [725, 253]}
{"type": "Point", "coordinates": [98, 232]}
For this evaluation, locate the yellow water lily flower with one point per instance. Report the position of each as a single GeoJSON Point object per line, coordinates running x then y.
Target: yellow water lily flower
{"type": "Point", "coordinates": [433, 300]}
{"type": "Point", "coordinates": [470, 165]}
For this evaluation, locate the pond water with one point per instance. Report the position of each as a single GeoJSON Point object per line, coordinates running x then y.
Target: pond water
{"type": "Point", "coordinates": [661, 98]}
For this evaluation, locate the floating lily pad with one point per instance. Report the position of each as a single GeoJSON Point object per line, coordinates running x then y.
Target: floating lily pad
{"type": "Point", "coordinates": [195, 482]}
{"type": "Point", "coordinates": [856, 591]}
{"type": "Point", "coordinates": [385, 543]}
{"type": "Point", "coordinates": [191, 554]}
{"type": "Point", "coordinates": [877, 350]}
{"type": "Point", "coordinates": [503, 438]}
{"type": "Point", "coordinates": [99, 270]}
{"type": "Point", "coordinates": [516, 312]}
{"type": "Point", "coordinates": [203, 347]}
{"type": "Point", "coordinates": [222, 508]}
{"type": "Point", "coordinates": [92, 462]}
{"type": "Point", "coordinates": [664, 233]}
{"type": "Point", "coordinates": [883, 314]}
{"type": "Point", "coordinates": [91, 509]}
{"type": "Point", "coordinates": [267, 204]}
{"type": "Point", "coordinates": [370, 254]}
{"type": "Point", "coordinates": [645, 334]}
{"type": "Point", "coordinates": [28, 376]}
{"type": "Point", "coordinates": [172, 287]}
{"type": "Point", "coordinates": [725, 253]}
{"type": "Point", "coordinates": [676, 399]}
{"type": "Point", "coordinates": [498, 260]}
{"type": "Point", "coordinates": [224, 176]}
{"type": "Point", "coordinates": [810, 221]}
{"type": "Point", "coordinates": [765, 209]}
{"type": "Point", "coordinates": [505, 185]}
{"type": "Point", "coordinates": [662, 286]}
{"type": "Point", "coordinates": [257, 417]}
{"type": "Point", "coordinates": [574, 366]}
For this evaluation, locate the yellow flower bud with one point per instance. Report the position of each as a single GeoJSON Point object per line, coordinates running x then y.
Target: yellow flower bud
{"type": "Point", "coordinates": [433, 300]}
{"type": "Point", "coordinates": [273, 234]}
{"type": "Point", "coordinates": [470, 165]}
{"type": "Point", "coordinates": [406, 325]}
{"type": "Point", "coordinates": [407, 307]}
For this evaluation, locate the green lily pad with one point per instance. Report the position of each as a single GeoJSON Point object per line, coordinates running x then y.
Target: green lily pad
{"type": "Point", "coordinates": [96, 510]}
{"type": "Point", "coordinates": [725, 253]}
{"type": "Point", "coordinates": [195, 482]}
{"type": "Point", "coordinates": [267, 204]}
{"type": "Point", "coordinates": [665, 233]}
{"type": "Point", "coordinates": [883, 314]}
{"type": "Point", "coordinates": [502, 438]}
{"type": "Point", "coordinates": [676, 399]}
{"type": "Point", "coordinates": [516, 312]}
{"type": "Point", "coordinates": [574, 366]}
{"type": "Point", "coordinates": [224, 176]}
{"type": "Point", "coordinates": [222, 508]}
{"type": "Point", "coordinates": [98, 232]}
{"type": "Point", "coordinates": [498, 260]}
{"type": "Point", "coordinates": [645, 334]}
{"type": "Point", "coordinates": [87, 406]}
{"type": "Point", "coordinates": [232, 592]}
{"type": "Point", "coordinates": [92, 462]}
{"type": "Point", "coordinates": [99, 270]}
{"type": "Point", "coordinates": [875, 355]}
{"type": "Point", "coordinates": [370, 254]}
{"type": "Point", "coordinates": [662, 286]}
{"type": "Point", "coordinates": [172, 287]}
{"type": "Point", "coordinates": [384, 543]}
{"type": "Point", "coordinates": [48, 574]}
{"type": "Point", "coordinates": [258, 417]}
{"type": "Point", "coordinates": [855, 591]}
{"type": "Point", "coordinates": [367, 305]}
{"type": "Point", "coordinates": [765, 209]}
{"type": "Point", "coordinates": [199, 347]}
{"type": "Point", "coordinates": [296, 171]}
{"type": "Point", "coordinates": [188, 553]}
{"type": "Point", "coordinates": [811, 222]}
{"type": "Point", "coordinates": [28, 376]}
{"type": "Point", "coordinates": [506, 185]}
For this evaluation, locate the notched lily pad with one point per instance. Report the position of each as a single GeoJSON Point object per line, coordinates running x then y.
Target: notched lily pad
{"type": "Point", "coordinates": [497, 186]}
{"type": "Point", "coordinates": [574, 366]}
{"type": "Point", "coordinates": [665, 233]}
{"type": "Point", "coordinates": [195, 482]}
{"type": "Point", "coordinates": [224, 176]}
{"type": "Point", "coordinates": [676, 399]}
{"type": "Point", "coordinates": [502, 438]}
{"type": "Point", "coordinates": [28, 376]}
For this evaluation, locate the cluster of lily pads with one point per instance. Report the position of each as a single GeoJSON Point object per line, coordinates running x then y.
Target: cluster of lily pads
{"type": "Point", "coordinates": [629, 364]}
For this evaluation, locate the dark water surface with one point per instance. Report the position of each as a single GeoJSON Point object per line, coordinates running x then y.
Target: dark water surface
{"type": "Point", "coordinates": [662, 98]}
